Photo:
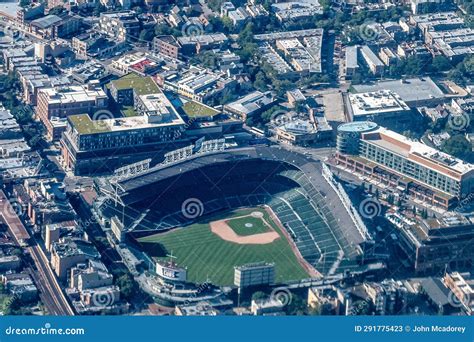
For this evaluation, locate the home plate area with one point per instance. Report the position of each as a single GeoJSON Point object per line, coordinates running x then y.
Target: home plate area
{"type": "Point", "coordinates": [251, 229]}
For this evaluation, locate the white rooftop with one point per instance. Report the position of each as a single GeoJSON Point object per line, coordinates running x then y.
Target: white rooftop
{"type": "Point", "coordinates": [71, 94]}
{"type": "Point", "coordinates": [382, 101]}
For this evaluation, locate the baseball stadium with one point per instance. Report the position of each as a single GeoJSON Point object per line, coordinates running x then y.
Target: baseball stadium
{"type": "Point", "coordinates": [214, 211]}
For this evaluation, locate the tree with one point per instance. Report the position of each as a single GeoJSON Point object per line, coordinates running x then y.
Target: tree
{"type": "Point", "coordinates": [458, 146]}
{"type": "Point", "coordinates": [259, 295]}
{"type": "Point", "coordinates": [260, 81]}
{"type": "Point", "coordinates": [126, 284]}
{"type": "Point", "coordinates": [24, 3]}
{"type": "Point", "coordinates": [138, 10]}
{"type": "Point", "coordinates": [410, 134]}
{"type": "Point", "coordinates": [162, 30]}
{"type": "Point", "coordinates": [456, 76]}
{"type": "Point", "coordinates": [424, 214]}
{"type": "Point", "coordinates": [98, 9]}
{"type": "Point", "coordinates": [207, 59]}
{"type": "Point", "coordinates": [146, 35]}
{"type": "Point", "coordinates": [56, 10]}
{"type": "Point", "coordinates": [300, 107]}
{"type": "Point", "coordinates": [469, 65]}
{"type": "Point", "coordinates": [297, 305]}
{"type": "Point", "coordinates": [441, 63]}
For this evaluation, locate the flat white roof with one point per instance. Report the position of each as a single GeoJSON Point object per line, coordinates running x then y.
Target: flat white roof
{"type": "Point", "coordinates": [70, 94]}
{"type": "Point", "coordinates": [382, 101]}
{"type": "Point", "coordinates": [407, 148]}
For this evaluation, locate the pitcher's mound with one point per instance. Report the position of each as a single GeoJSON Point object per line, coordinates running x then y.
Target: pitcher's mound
{"type": "Point", "coordinates": [225, 232]}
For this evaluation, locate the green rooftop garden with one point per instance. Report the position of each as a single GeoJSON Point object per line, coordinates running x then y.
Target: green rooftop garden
{"type": "Point", "coordinates": [85, 125]}
{"type": "Point", "coordinates": [195, 109]}
{"type": "Point", "coordinates": [141, 85]}
{"type": "Point", "coordinates": [128, 111]}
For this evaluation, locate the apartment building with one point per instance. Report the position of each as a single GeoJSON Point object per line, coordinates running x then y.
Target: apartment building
{"type": "Point", "coordinates": [120, 26]}
{"type": "Point", "coordinates": [54, 105]}
{"type": "Point", "coordinates": [86, 143]}
{"type": "Point", "coordinates": [421, 171]}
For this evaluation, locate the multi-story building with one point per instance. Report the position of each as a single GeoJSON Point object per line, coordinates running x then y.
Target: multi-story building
{"type": "Point", "coordinates": [52, 26]}
{"type": "Point", "coordinates": [46, 201]}
{"type": "Point", "coordinates": [30, 12]}
{"type": "Point", "coordinates": [67, 253]}
{"type": "Point", "coordinates": [195, 44]}
{"type": "Point", "coordinates": [61, 102]}
{"type": "Point", "coordinates": [198, 84]}
{"type": "Point", "coordinates": [415, 92]}
{"type": "Point", "coordinates": [446, 32]}
{"type": "Point", "coordinates": [434, 244]}
{"type": "Point", "coordinates": [90, 275]}
{"type": "Point", "coordinates": [303, 132]}
{"type": "Point", "coordinates": [421, 171]}
{"type": "Point", "coordinates": [383, 107]}
{"type": "Point", "coordinates": [95, 45]}
{"type": "Point", "coordinates": [9, 263]}
{"type": "Point", "coordinates": [120, 26]}
{"type": "Point", "coordinates": [251, 104]}
{"type": "Point", "coordinates": [462, 286]}
{"type": "Point", "coordinates": [351, 65]}
{"type": "Point", "coordinates": [167, 46]}
{"type": "Point", "coordinates": [300, 58]}
{"type": "Point", "coordinates": [373, 62]}
{"type": "Point", "coordinates": [86, 143]}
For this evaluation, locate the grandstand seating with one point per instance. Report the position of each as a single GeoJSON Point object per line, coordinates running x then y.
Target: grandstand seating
{"type": "Point", "coordinates": [300, 207]}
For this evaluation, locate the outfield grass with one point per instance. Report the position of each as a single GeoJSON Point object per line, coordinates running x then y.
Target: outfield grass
{"type": "Point", "coordinates": [207, 256]}
{"type": "Point", "coordinates": [238, 226]}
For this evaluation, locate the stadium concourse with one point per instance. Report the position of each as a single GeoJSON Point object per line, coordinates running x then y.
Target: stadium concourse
{"type": "Point", "coordinates": [289, 183]}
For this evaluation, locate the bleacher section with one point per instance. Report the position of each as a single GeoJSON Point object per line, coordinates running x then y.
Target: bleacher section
{"type": "Point", "coordinates": [307, 207]}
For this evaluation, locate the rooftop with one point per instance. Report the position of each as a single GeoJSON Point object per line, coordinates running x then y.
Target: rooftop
{"type": "Point", "coordinates": [69, 94]}
{"type": "Point", "coordinates": [359, 127]}
{"type": "Point", "coordinates": [46, 21]}
{"type": "Point", "coordinates": [85, 125]}
{"type": "Point", "coordinates": [381, 101]}
{"type": "Point", "coordinates": [251, 102]}
{"type": "Point", "coordinates": [195, 109]}
{"type": "Point", "coordinates": [141, 85]}
{"type": "Point", "coordinates": [410, 90]}
{"type": "Point", "coordinates": [419, 152]}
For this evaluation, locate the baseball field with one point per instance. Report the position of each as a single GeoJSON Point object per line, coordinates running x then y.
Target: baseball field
{"type": "Point", "coordinates": [211, 248]}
